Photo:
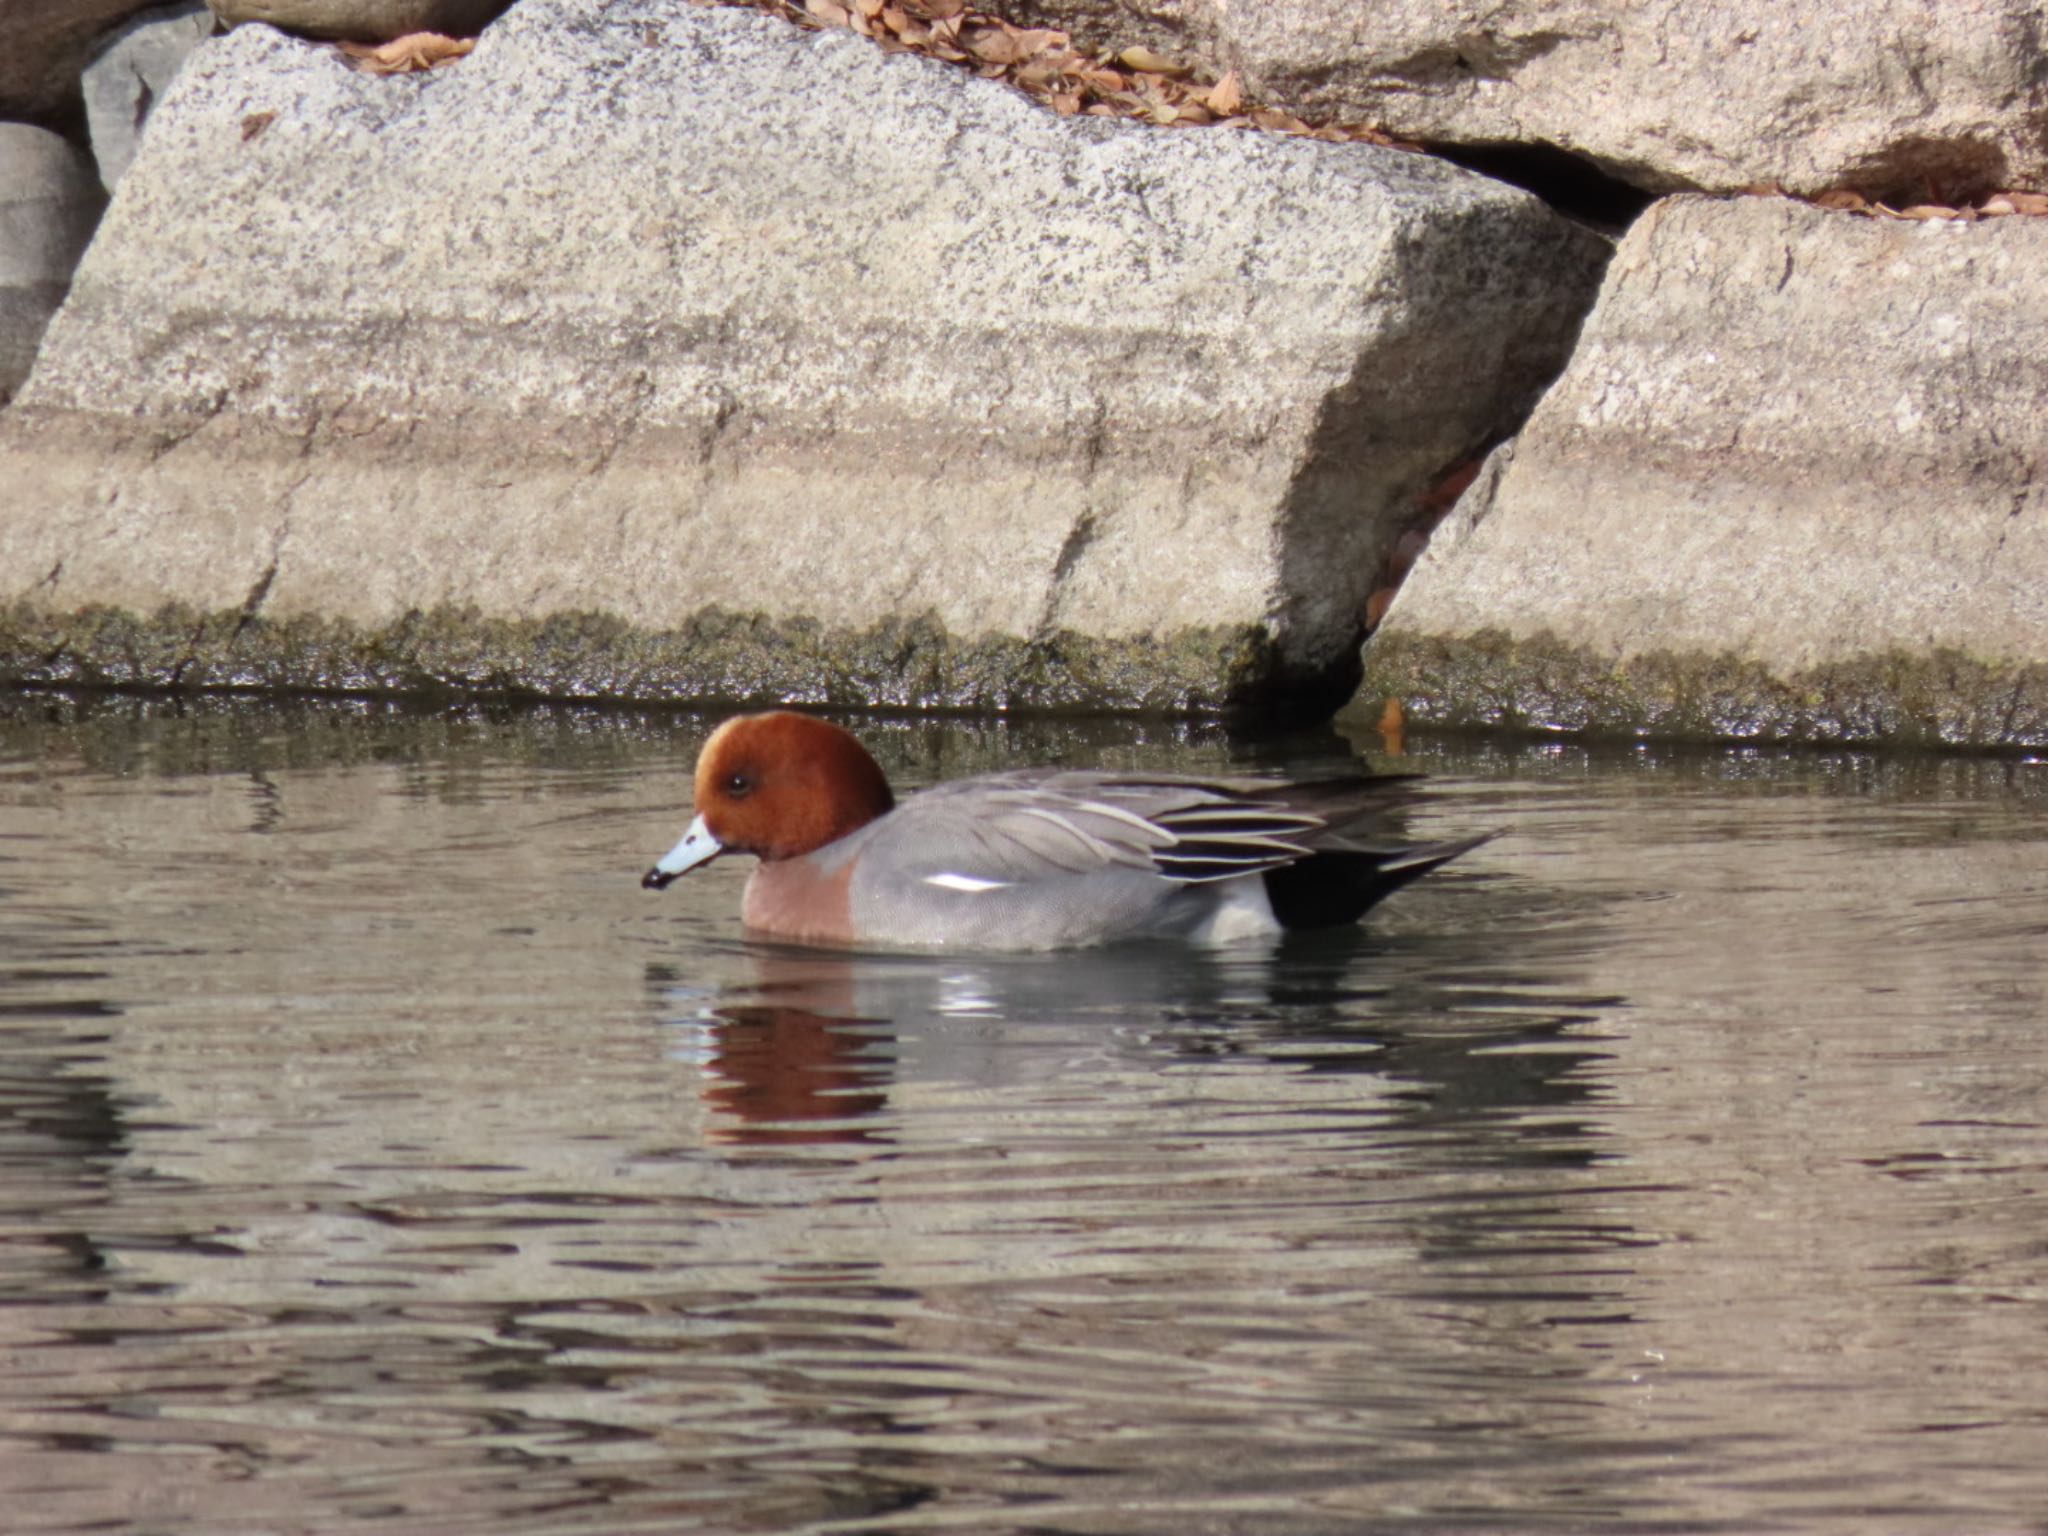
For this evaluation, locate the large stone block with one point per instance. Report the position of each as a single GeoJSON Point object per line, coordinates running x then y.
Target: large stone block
{"type": "Point", "coordinates": [1912, 99]}
{"type": "Point", "coordinates": [49, 203]}
{"type": "Point", "coordinates": [1793, 484]}
{"type": "Point", "coordinates": [671, 351]}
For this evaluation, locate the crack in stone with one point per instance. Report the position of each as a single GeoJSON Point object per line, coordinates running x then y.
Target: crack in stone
{"type": "Point", "coordinates": [257, 594]}
{"type": "Point", "coordinates": [175, 438]}
{"type": "Point", "coordinates": [1079, 537]}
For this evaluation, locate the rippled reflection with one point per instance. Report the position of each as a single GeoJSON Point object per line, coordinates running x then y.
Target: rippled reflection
{"type": "Point", "coordinates": [380, 1158]}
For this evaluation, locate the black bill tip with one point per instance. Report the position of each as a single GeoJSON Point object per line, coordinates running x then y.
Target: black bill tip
{"type": "Point", "coordinates": [655, 880]}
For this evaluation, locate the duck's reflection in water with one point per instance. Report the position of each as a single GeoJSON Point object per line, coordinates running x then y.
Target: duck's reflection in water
{"type": "Point", "coordinates": [806, 1046]}
{"type": "Point", "coordinates": [792, 1058]}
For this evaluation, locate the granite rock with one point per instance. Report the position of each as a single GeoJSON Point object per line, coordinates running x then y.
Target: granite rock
{"type": "Point", "coordinates": [665, 350]}
{"type": "Point", "coordinates": [1794, 483]}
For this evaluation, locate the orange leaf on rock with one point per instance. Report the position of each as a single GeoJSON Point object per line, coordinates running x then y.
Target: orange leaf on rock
{"type": "Point", "coordinates": [1842, 200]}
{"type": "Point", "coordinates": [409, 54]}
{"type": "Point", "coordinates": [911, 30]}
{"type": "Point", "coordinates": [1226, 95]}
{"type": "Point", "coordinates": [831, 12]}
{"type": "Point", "coordinates": [1275, 121]}
{"type": "Point", "coordinates": [2035, 203]}
{"type": "Point", "coordinates": [1038, 74]}
{"type": "Point", "coordinates": [1145, 61]}
{"type": "Point", "coordinates": [993, 45]}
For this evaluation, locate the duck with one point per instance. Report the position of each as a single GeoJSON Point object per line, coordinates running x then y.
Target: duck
{"type": "Point", "coordinates": [1035, 858]}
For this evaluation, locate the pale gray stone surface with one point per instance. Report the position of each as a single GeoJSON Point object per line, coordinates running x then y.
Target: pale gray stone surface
{"type": "Point", "coordinates": [650, 312]}
{"type": "Point", "coordinates": [1915, 99]}
{"type": "Point", "coordinates": [368, 21]}
{"type": "Point", "coordinates": [129, 73]}
{"type": "Point", "coordinates": [1796, 464]}
{"type": "Point", "coordinates": [44, 44]}
{"type": "Point", "coordinates": [49, 203]}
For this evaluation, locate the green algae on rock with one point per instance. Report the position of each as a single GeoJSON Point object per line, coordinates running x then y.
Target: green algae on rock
{"type": "Point", "coordinates": [716, 657]}
{"type": "Point", "coordinates": [1490, 680]}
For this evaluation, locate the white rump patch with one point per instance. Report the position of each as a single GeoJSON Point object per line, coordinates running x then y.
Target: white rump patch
{"type": "Point", "coordinates": [1241, 911]}
{"type": "Point", "coordinates": [966, 883]}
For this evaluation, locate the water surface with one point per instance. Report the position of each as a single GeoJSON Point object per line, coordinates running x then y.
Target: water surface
{"type": "Point", "coordinates": [379, 1158]}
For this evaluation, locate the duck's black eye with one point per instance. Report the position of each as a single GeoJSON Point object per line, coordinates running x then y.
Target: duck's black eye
{"type": "Point", "coordinates": [739, 785]}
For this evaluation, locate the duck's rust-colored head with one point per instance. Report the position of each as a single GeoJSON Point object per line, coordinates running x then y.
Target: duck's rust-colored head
{"type": "Point", "coordinates": [778, 786]}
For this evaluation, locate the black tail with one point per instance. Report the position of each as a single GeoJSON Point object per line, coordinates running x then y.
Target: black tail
{"type": "Point", "coordinates": [1335, 886]}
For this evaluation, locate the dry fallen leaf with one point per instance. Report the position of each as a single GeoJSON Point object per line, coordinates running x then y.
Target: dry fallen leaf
{"type": "Point", "coordinates": [1005, 46]}
{"type": "Point", "coordinates": [1145, 61]}
{"type": "Point", "coordinates": [1226, 95]}
{"type": "Point", "coordinates": [407, 55]}
{"type": "Point", "coordinates": [254, 124]}
{"type": "Point", "coordinates": [913, 32]}
{"type": "Point", "coordinates": [1275, 121]}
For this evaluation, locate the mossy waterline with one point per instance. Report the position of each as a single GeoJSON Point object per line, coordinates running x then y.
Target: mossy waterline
{"type": "Point", "coordinates": [1490, 680]}
{"type": "Point", "coordinates": [718, 657]}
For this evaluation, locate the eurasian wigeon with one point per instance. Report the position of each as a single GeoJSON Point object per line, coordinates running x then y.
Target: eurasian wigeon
{"type": "Point", "coordinates": [1040, 858]}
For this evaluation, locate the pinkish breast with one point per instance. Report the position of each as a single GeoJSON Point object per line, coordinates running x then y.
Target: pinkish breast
{"type": "Point", "coordinates": [795, 899]}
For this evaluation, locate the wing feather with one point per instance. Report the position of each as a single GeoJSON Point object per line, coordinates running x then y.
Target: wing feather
{"type": "Point", "coordinates": [1033, 823]}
